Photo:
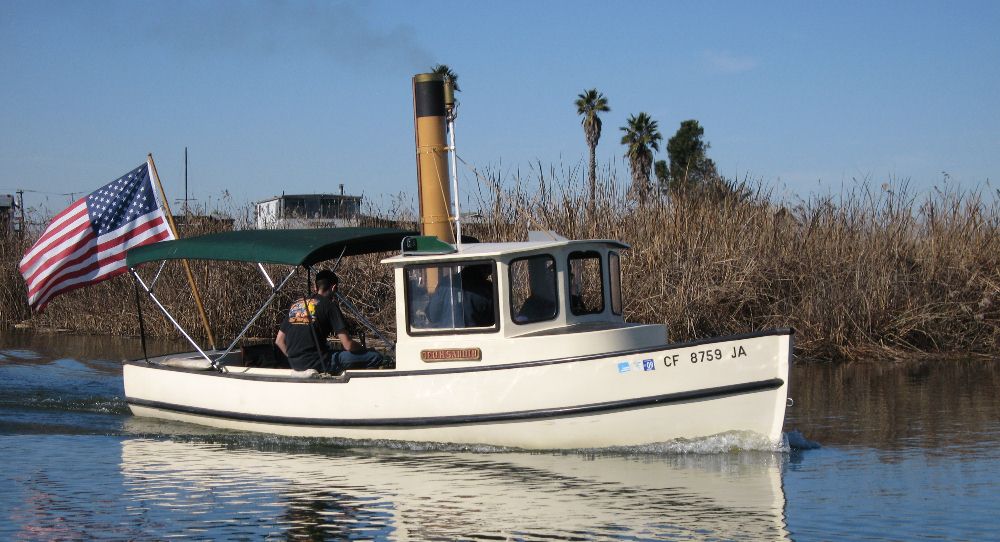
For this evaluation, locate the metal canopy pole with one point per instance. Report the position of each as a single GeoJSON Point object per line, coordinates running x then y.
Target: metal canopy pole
{"type": "Point", "coordinates": [266, 276]}
{"type": "Point", "coordinates": [156, 277]}
{"type": "Point", "coordinates": [454, 181]}
{"type": "Point", "coordinates": [274, 293]}
{"type": "Point", "coordinates": [169, 316]}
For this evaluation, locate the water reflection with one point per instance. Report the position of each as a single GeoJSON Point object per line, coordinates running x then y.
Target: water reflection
{"type": "Point", "coordinates": [345, 493]}
{"type": "Point", "coordinates": [937, 405]}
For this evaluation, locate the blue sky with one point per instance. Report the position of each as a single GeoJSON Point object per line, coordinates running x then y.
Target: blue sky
{"type": "Point", "coordinates": [300, 97]}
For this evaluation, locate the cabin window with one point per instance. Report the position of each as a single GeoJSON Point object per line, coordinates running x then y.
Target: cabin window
{"type": "Point", "coordinates": [533, 287]}
{"type": "Point", "coordinates": [586, 284]}
{"type": "Point", "coordinates": [615, 270]}
{"type": "Point", "coordinates": [446, 298]}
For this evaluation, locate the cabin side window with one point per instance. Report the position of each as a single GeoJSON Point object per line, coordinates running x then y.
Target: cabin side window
{"type": "Point", "coordinates": [533, 287]}
{"type": "Point", "coordinates": [615, 270]}
{"type": "Point", "coordinates": [586, 283]}
{"type": "Point", "coordinates": [446, 298]}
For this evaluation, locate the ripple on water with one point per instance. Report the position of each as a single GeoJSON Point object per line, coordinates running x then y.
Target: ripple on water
{"type": "Point", "coordinates": [18, 354]}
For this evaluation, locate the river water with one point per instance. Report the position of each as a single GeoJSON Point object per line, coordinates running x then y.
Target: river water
{"type": "Point", "coordinates": [905, 452]}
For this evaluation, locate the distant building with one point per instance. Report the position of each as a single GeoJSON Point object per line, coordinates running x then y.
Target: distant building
{"type": "Point", "coordinates": [8, 207]}
{"type": "Point", "coordinates": [308, 211]}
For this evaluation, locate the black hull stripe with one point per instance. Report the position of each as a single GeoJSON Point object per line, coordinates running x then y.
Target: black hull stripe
{"type": "Point", "coordinates": [524, 415]}
{"type": "Point", "coordinates": [499, 367]}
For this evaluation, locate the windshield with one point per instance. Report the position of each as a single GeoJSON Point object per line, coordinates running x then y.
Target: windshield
{"type": "Point", "coordinates": [451, 297]}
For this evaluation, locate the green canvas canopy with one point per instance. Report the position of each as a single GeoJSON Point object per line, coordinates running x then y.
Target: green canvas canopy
{"type": "Point", "coordinates": [292, 247]}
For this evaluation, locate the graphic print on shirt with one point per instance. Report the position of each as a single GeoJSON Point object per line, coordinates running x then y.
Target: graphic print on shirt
{"type": "Point", "coordinates": [297, 313]}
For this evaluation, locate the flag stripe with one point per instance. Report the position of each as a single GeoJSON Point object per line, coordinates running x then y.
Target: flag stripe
{"type": "Point", "coordinates": [69, 257]}
{"type": "Point", "coordinates": [96, 254]}
{"type": "Point", "coordinates": [65, 246]}
{"type": "Point", "coordinates": [96, 272]}
{"type": "Point", "coordinates": [72, 221]}
{"type": "Point", "coordinates": [96, 249]}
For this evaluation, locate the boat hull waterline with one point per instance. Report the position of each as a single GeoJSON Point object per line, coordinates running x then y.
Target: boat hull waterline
{"type": "Point", "coordinates": [619, 399]}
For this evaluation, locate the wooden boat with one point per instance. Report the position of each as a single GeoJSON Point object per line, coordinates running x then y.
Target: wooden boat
{"type": "Point", "coordinates": [521, 344]}
{"type": "Point", "coordinates": [571, 375]}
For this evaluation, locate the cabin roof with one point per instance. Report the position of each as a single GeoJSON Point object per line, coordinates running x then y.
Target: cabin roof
{"type": "Point", "coordinates": [291, 247]}
{"type": "Point", "coordinates": [494, 250]}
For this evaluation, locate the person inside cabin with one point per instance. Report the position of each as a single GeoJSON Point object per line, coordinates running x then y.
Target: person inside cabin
{"type": "Point", "coordinates": [465, 301]}
{"type": "Point", "coordinates": [540, 303]}
{"type": "Point", "coordinates": [303, 334]}
{"type": "Point", "coordinates": [477, 295]}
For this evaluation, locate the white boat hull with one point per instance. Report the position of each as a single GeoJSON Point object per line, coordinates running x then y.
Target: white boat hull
{"type": "Point", "coordinates": [682, 391]}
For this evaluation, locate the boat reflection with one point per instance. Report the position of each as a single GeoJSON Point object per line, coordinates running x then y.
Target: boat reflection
{"type": "Point", "coordinates": [273, 488]}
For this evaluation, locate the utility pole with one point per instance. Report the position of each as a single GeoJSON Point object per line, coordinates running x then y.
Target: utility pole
{"type": "Point", "coordinates": [185, 184]}
{"type": "Point", "coordinates": [20, 205]}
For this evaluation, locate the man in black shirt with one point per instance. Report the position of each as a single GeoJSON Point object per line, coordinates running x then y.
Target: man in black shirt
{"type": "Point", "coordinates": [310, 321]}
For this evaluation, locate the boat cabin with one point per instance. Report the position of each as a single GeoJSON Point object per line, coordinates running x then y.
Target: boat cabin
{"type": "Point", "coordinates": [488, 302]}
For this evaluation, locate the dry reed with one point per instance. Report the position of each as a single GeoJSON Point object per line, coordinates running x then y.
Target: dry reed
{"type": "Point", "coordinates": [869, 273]}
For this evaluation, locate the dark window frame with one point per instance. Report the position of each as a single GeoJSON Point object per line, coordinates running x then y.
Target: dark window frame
{"type": "Point", "coordinates": [555, 287]}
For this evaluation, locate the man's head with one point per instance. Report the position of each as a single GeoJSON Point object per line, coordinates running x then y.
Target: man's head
{"type": "Point", "coordinates": [326, 282]}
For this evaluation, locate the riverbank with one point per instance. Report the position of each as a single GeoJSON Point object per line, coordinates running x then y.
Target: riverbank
{"type": "Point", "coordinates": [872, 273]}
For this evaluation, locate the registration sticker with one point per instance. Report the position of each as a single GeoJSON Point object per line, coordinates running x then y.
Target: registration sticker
{"type": "Point", "coordinates": [624, 367]}
{"type": "Point", "coordinates": [648, 365]}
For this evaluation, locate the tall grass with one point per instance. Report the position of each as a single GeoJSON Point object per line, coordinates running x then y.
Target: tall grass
{"type": "Point", "coordinates": [872, 272]}
{"type": "Point", "coordinates": [13, 295]}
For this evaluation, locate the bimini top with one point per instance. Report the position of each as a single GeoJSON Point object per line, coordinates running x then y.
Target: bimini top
{"type": "Point", "coordinates": [291, 247]}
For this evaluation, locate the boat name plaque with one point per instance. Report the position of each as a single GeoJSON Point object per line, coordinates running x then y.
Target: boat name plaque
{"type": "Point", "coordinates": [451, 354]}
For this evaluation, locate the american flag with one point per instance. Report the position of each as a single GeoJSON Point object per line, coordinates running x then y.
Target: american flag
{"type": "Point", "coordinates": [86, 243]}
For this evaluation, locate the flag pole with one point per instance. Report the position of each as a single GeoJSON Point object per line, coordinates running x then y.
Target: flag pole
{"type": "Point", "coordinates": [187, 267]}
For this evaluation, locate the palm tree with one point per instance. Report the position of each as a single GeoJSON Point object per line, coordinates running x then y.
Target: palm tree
{"type": "Point", "coordinates": [642, 137]}
{"type": "Point", "coordinates": [444, 70]}
{"type": "Point", "coordinates": [588, 105]}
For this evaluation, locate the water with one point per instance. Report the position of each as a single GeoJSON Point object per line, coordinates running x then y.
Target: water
{"type": "Point", "coordinates": [907, 452]}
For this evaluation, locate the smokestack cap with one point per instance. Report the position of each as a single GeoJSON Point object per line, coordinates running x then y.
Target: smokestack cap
{"type": "Point", "coordinates": [428, 95]}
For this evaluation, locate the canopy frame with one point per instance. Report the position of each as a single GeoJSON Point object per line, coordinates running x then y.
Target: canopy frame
{"type": "Point", "coordinates": [304, 247]}
{"type": "Point", "coordinates": [217, 362]}
{"type": "Point", "coordinates": [274, 293]}
{"type": "Point", "coordinates": [163, 309]}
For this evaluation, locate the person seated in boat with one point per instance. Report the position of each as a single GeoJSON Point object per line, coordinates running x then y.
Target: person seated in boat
{"type": "Point", "coordinates": [303, 334]}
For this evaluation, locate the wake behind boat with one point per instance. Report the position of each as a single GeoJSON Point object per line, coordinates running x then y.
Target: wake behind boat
{"type": "Point", "coordinates": [519, 344]}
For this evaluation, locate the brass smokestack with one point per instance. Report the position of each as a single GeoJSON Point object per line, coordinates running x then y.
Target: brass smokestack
{"type": "Point", "coordinates": [429, 122]}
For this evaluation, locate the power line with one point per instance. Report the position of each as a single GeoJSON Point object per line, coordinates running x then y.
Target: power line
{"type": "Point", "coordinates": [71, 194]}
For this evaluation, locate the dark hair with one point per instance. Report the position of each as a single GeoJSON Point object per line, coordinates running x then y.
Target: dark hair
{"type": "Point", "coordinates": [326, 279]}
